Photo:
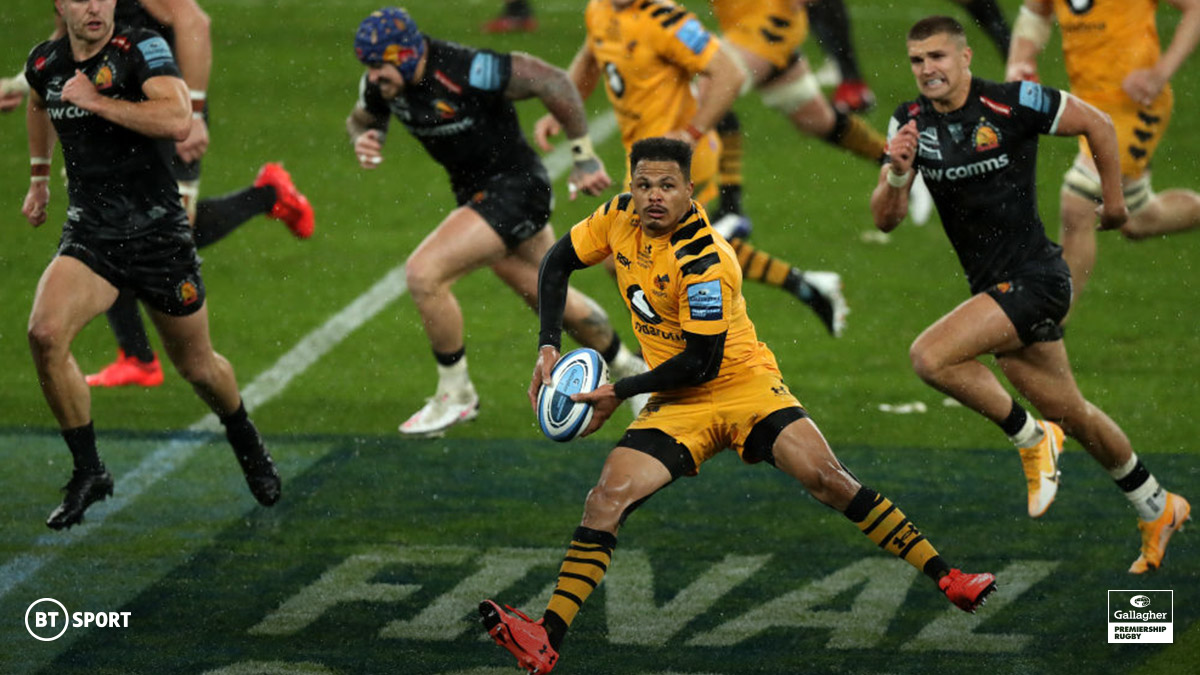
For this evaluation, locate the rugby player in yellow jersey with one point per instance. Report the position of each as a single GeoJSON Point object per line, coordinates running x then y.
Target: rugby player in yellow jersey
{"type": "Point", "coordinates": [1114, 62]}
{"type": "Point", "coordinates": [715, 386]}
{"type": "Point", "coordinates": [648, 52]}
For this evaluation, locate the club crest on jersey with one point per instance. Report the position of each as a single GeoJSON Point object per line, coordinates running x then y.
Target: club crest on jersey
{"type": "Point", "coordinates": [987, 137]}
{"type": "Point", "coordinates": [104, 77]}
{"type": "Point", "coordinates": [640, 305]}
{"type": "Point", "coordinates": [478, 197]}
{"type": "Point", "coordinates": [661, 281]}
{"type": "Point", "coordinates": [444, 109]}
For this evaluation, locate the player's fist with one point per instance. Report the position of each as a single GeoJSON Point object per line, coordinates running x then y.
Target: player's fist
{"type": "Point", "coordinates": [368, 147]}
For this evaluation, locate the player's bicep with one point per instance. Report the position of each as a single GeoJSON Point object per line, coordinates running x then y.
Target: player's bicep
{"type": "Point", "coordinates": [167, 88]}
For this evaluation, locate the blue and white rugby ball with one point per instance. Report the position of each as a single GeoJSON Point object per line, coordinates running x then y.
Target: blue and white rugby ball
{"type": "Point", "coordinates": [578, 372]}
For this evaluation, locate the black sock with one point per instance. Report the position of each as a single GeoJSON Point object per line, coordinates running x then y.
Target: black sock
{"type": "Point", "coordinates": [519, 8]}
{"type": "Point", "coordinates": [1015, 421]}
{"type": "Point", "coordinates": [82, 443]}
{"type": "Point", "coordinates": [241, 432]}
{"type": "Point", "coordinates": [831, 24]}
{"type": "Point", "coordinates": [126, 322]}
{"type": "Point", "coordinates": [610, 352]}
{"type": "Point", "coordinates": [450, 359]}
{"type": "Point", "coordinates": [989, 17]}
{"type": "Point", "coordinates": [797, 286]}
{"type": "Point", "coordinates": [218, 216]}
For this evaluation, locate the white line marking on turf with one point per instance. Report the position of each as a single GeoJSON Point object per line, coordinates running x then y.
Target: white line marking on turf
{"type": "Point", "coordinates": [262, 389]}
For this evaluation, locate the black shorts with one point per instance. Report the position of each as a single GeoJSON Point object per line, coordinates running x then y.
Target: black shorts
{"type": "Point", "coordinates": [516, 204]}
{"type": "Point", "coordinates": [1036, 300]}
{"type": "Point", "coordinates": [162, 268]}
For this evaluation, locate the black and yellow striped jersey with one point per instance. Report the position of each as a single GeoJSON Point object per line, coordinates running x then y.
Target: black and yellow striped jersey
{"type": "Point", "coordinates": [688, 280]}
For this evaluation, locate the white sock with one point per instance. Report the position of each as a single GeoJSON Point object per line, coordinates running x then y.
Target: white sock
{"type": "Point", "coordinates": [1149, 499]}
{"type": "Point", "coordinates": [454, 378]}
{"type": "Point", "coordinates": [1030, 435]}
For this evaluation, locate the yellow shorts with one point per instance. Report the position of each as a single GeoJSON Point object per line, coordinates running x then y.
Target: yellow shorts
{"type": "Point", "coordinates": [718, 415]}
{"type": "Point", "coordinates": [771, 29]}
{"type": "Point", "coordinates": [1139, 129]}
{"type": "Point", "coordinates": [705, 157]}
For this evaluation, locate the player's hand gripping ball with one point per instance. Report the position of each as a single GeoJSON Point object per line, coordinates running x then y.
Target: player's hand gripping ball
{"type": "Point", "coordinates": [578, 372]}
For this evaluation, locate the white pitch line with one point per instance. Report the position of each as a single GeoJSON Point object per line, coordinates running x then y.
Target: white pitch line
{"type": "Point", "coordinates": [262, 389]}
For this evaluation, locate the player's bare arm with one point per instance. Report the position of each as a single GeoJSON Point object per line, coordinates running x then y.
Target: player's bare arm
{"type": "Point", "coordinates": [1081, 118]}
{"type": "Point", "coordinates": [889, 201]}
{"type": "Point", "coordinates": [367, 134]}
{"type": "Point", "coordinates": [584, 72]}
{"type": "Point", "coordinates": [1031, 31]}
{"type": "Point", "coordinates": [1145, 84]}
{"type": "Point", "coordinates": [41, 147]}
{"type": "Point", "coordinates": [193, 53]}
{"type": "Point", "coordinates": [166, 112]}
{"type": "Point", "coordinates": [723, 84]}
{"type": "Point", "coordinates": [531, 77]}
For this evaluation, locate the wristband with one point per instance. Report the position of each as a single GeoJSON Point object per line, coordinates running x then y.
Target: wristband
{"type": "Point", "coordinates": [692, 131]}
{"type": "Point", "coordinates": [581, 149]}
{"type": "Point", "coordinates": [898, 180]}
{"type": "Point", "coordinates": [198, 99]}
{"type": "Point", "coordinates": [39, 169]}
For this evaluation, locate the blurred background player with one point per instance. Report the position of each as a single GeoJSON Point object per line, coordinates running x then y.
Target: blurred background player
{"type": "Point", "coordinates": [831, 24]}
{"type": "Point", "coordinates": [1114, 62]}
{"type": "Point", "coordinates": [515, 17]}
{"type": "Point", "coordinates": [765, 37]}
{"type": "Point", "coordinates": [458, 102]}
{"type": "Point", "coordinates": [714, 384]}
{"type": "Point", "coordinates": [185, 27]}
{"type": "Point", "coordinates": [977, 142]}
{"type": "Point", "coordinates": [647, 54]}
{"type": "Point", "coordinates": [113, 98]}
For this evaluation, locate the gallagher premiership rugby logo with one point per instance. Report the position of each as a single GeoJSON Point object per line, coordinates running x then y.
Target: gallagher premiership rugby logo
{"type": "Point", "coordinates": [1141, 616]}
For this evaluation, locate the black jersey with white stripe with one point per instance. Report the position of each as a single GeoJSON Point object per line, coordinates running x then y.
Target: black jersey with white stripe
{"type": "Point", "coordinates": [459, 112]}
{"type": "Point", "coordinates": [979, 163]}
{"type": "Point", "coordinates": [119, 185]}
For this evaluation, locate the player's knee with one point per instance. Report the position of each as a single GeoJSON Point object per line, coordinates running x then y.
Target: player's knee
{"type": "Point", "coordinates": [924, 362]}
{"type": "Point", "coordinates": [608, 502]}
{"type": "Point", "coordinates": [421, 277]}
{"type": "Point", "coordinates": [196, 369]}
{"type": "Point", "coordinates": [46, 338]}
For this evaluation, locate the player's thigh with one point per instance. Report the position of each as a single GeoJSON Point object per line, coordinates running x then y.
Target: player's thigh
{"type": "Point", "coordinates": [977, 326]}
{"type": "Point", "coordinates": [69, 295]}
{"type": "Point", "coordinates": [185, 338]}
{"type": "Point", "coordinates": [461, 243]}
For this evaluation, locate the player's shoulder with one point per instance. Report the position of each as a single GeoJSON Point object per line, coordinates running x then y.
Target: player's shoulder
{"type": "Point", "coordinates": [694, 244]}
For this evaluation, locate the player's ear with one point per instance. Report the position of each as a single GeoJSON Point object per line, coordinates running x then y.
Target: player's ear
{"type": "Point", "coordinates": [967, 54]}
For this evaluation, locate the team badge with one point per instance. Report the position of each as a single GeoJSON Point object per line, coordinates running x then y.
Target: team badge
{"type": "Point", "coordinates": [187, 292]}
{"type": "Point", "coordinates": [661, 281]}
{"type": "Point", "coordinates": [444, 109]}
{"type": "Point", "coordinates": [104, 77]}
{"type": "Point", "coordinates": [987, 137]}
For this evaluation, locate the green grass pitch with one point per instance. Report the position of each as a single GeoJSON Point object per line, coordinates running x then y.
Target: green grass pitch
{"type": "Point", "coordinates": [381, 546]}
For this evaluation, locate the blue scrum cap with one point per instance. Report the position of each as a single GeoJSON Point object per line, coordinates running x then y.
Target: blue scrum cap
{"type": "Point", "coordinates": [389, 35]}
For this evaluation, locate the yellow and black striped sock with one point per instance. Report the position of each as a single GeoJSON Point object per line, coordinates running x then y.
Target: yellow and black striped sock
{"type": "Point", "coordinates": [759, 265]}
{"type": "Point", "coordinates": [582, 569]}
{"type": "Point", "coordinates": [886, 525]}
{"type": "Point", "coordinates": [729, 165]}
{"type": "Point", "coordinates": [852, 133]}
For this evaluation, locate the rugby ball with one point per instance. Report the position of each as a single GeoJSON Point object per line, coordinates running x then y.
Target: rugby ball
{"type": "Point", "coordinates": [578, 372]}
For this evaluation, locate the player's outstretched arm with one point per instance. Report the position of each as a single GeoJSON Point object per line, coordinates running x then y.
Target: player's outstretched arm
{"type": "Point", "coordinates": [1082, 118]}
{"type": "Point", "coordinates": [41, 146]}
{"type": "Point", "coordinates": [1030, 33]}
{"type": "Point", "coordinates": [532, 76]}
{"type": "Point", "coordinates": [584, 72]}
{"type": "Point", "coordinates": [1144, 85]}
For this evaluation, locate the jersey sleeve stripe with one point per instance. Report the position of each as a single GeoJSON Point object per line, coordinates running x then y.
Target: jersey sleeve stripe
{"type": "Point", "coordinates": [687, 232]}
{"type": "Point", "coordinates": [674, 19]}
{"type": "Point", "coordinates": [1062, 105]}
{"type": "Point", "coordinates": [699, 265]}
{"type": "Point", "coordinates": [695, 247]}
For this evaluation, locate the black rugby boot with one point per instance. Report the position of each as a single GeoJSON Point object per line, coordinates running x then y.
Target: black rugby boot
{"type": "Point", "coordinates": [261, 475]}
{"type": "Point", "coordinates": [84, 489]}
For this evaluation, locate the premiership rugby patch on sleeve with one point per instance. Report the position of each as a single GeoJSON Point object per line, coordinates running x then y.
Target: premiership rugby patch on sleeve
{"type": "Point", "coordinates": [156, 52]}
{"type": "Point", "coordinates": [693, 35]}
{"type": "Point", "coordinates": [1033, 95]}
{"type": "Point", "coordinates": [704, 299]}
{"type": "Point", "coordinates": [485, 72]}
